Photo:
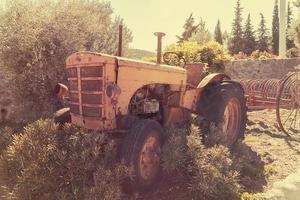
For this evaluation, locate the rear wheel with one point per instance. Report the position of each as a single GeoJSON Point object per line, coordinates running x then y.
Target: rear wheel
{"type": "Point", "coordinates": [141, 150]}
{"type": "Point", "coordinates": [223, 105]}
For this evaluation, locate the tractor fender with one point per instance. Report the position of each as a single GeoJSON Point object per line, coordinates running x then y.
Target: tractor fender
{"type": "Point", "coordinates": [211, 78]}
{"type": "Point", "coordinates": [215, 77]}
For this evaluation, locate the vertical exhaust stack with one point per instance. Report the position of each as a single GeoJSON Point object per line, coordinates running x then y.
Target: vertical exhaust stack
{"type": "Point", "coordinates": [159, 39]}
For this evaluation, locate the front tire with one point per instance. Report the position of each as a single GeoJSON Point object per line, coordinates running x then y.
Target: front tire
{"type": "Point", "coordinates": [223, 104]}
{"type": "Point", "coordinates": [141, 150]}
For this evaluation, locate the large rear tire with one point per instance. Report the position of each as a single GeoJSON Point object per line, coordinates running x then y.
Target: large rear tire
{"type": "Point", "coordinates": [141, 149]}
{"type": "Point", "coordinates": [223, 104]}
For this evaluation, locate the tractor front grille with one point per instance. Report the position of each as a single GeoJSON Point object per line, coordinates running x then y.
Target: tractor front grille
{"type": "Point", "coordinates": [86, 90]}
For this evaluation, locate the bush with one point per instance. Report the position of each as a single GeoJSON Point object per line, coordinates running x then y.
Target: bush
{"type": "Point", "coordinates": [44, 162]}
{"type": "Point", "coordinates": [210, 171]}
{"type": "Point", "coordinates": [214, 55]}
{"type": "Point", "coordinates": [174, 155]}
{"type": "Point", "coordinates": [211, 53]}
{"type": "Point", "coordinates": [6, 136]}
{"type": "Point", "coordinates": [37, 36]}
{"type": "Point", "coordinates": [261, 55]}
{"type": "Point", "coordinates": [293, 52]}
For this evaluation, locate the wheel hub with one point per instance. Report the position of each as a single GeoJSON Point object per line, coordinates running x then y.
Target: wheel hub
{"type": "Point", "coordinates": [231, 120]}
{"type": "Point", "coordinates": [149, 158]}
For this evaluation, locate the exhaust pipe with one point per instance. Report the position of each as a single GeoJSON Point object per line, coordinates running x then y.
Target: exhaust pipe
{"type": "Point", "coordinates": [159, 36]}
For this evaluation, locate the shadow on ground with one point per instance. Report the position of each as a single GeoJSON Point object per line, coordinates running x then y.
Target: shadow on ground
{"type": "Point", "coordinates": [251, 168]}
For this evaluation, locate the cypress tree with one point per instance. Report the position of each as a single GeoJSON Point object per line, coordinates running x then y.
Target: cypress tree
{"type": "Point", "coordinates": [218, 33]}
{"type": "Point", "coordinates": [275, 29]}
{"type": "Point", "coordinates": [289, 43]}
{"type": "Point", "coordinates": [189, 29]}
{"type": "Point", "coordinates": [263, 35]}
{"type": "Point", "coordinates": [235, 45]}
{"type": "Point", "coordinates": [249, 41]}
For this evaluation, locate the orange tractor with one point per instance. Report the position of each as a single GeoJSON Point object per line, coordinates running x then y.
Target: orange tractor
{"type": "Point", "coordinates": [139, 99]}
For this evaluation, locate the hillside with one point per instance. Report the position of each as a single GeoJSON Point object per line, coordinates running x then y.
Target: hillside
{"type": "Point", "coordinates": [138, 54]}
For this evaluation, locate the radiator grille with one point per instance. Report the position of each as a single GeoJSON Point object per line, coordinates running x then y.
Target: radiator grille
{"type": "Point", "coordinates": [86, 88]}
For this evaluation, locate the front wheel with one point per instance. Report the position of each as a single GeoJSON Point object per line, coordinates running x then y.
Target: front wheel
{"type": "Point", "coordinates": [223, 105]}
{"type": "Point", "coordinates": [141, 150]}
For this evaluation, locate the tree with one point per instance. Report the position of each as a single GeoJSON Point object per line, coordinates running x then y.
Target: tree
{"type": "Point", "coordinates": [37, 36]}
{"type": "Point", "coordinates": [189, 29]}
{"type": "Point", "coordinates": [297, 3]}
{"type": "Point", "coordinates": [201, 35]}
{"type": "Point", "coordinates": [263, 35]}
{"type": "Point", "coordinates": [275, 29]}
{"type": "Point", "coordinates": [235, 45]}
{"type": "Point", "coordinates": [249, 41]}
{"type": "Point", "coordinates": [289, 42]}
{"type": "Point", "coordinates": [218, 33]}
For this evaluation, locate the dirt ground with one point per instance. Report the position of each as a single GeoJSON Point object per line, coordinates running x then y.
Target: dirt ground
{"type": "Point", "coordinates": [280, 154]}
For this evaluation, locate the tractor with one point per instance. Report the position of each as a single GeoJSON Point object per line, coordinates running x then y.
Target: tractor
{"type": "Point", "coordinates": [138, 100]}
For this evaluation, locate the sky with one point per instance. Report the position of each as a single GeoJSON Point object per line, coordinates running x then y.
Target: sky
{"type": "Point", "coordinates": [144, 17]}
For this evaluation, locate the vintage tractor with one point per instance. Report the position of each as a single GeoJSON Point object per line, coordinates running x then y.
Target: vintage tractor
{"type": "Point", "coordinates": [139, 99]}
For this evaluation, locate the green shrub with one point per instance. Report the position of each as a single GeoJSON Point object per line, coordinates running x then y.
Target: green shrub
{"type": "Point", "coordinates": [214, 55]}
{"type": "Point", "coordinates": [44, 162]}
{"type": "Point", "coordinates": [37, 36]}
{"type": "Point", "coordinates": [211, 53]}
{"type": "Point", "coordinates": [6, 136]}
{"type": "Point", "coordinates": [188, 50]}
{"type": "Point", "coordinates": [174, 157]}
{"type": "Point", "coordinates": [210, 171]}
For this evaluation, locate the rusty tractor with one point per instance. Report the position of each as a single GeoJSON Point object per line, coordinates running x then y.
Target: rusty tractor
{"type": "Point", "coordinates": [139, 99]}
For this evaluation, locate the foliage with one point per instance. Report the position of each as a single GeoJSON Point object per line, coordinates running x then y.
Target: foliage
{"type": "Point", "coordinates": [188, 49]}
{"type": "Point", "coordinates": [6, 136]}
{"type": "Point", "coordinates": [218, 33]}
{"type": "Point", "coordinates": [249, 41]}
{"type": "Point", "coordinates": [214, 55]}
{"type": "Point", "coordinates": [201, 35]}
{"type": "Point", "coordinates": [211, 53]}
{"type": "Point", "coordinates": [44, 162]}
{"type": "Point", "coordinates": [289, 41]}
{"type": "Point", "coordinates": [293, 53]}
{"type": "Point", "coordinates": [189, 29]}
{"type": "Point", "coordinates": [37, 36]}
{"type": "Point", "coordinates": [174, 155]}
{"type": "Point", "coordinates": [297, 3]}
{"type": "Point", "coordinates": [261, 55]}
{"type": "Point", "coordinates": [263, 35]}
{"type": "Point", "coordinates": [275, 29]}
{"type": "Point", "coordinates": [295, 34]}
{"type": "Point", "coordinates": [209, 171]}
{"type": "Point", "coordinates": [249, 196]}
{"type": "Point", "coordinates": [235, 45]}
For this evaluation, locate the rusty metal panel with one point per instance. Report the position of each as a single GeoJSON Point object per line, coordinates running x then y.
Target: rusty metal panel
{"type": "Point", "coordinates": [74, 109]}
{"type": "Point", "coordinates": [93, 71]}
{"type": "Point", "coordinates": [91, 98]}
{"type": "Point", "coordinates": [74, 97]}
{"type": "Point", "coordinates": [72, 72]}
{"type": "Point", "coordinates": [91, 111]}
{"type": "Point", "coordinates": [91, 85]}
{"type": "Point", "coordinates": [73, 85]}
